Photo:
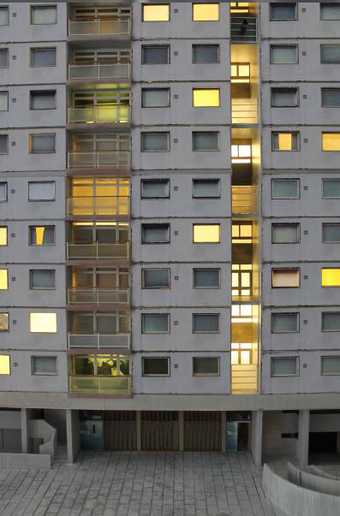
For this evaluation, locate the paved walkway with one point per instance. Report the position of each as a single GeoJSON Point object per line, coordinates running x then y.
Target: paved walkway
{"type": "Point", "coordinates": [138, 484]}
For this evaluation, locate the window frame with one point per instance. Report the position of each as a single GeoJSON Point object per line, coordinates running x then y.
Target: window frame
{"type": "Point", "coordinates": [321, 368]}
{"type": "Point", "coordinates": [31, 274]}
{"type": "Point", "coordinates": [284, 45]}
{"type": "Point", "coordinates": [8, 322]}
{"type": "Point", "coordinates": [143, 332]}
{"type": "Point", "coordinates": [154, 180]}
{"type": "Point", "coordinates": [5, 93]}
{"type": "Point", "coordinates": [206, 332]}
{"type": "Point", "coordinates": [156, 242]}
{"type": "Point", "coordinates": [160, 151]}
{"type": "Point", "coordinates": [32, 93]}
{"type": "Point", "coordinates": [204, 4]}
{"type": "Point", "coordinates": [168, 287]}
{"type": "Point", "coordinates": [323, 179]}
{"type": "Point", "coordinates": [297, 367]}
{"type": "Point", "coordinates": [204, 269]}
{"type": "Point", "coordinates": [6, 53]}
{"type": "Point", "coordinates": [280, 269]}
{"type": "Point", "coordinates": [297, 316]}
{"type": "Point", "coordinates": [43, 6]}
{"type": "Point", "coordinates": [218, 54]}
{"type": "Point", "coordinates": [323, 232]}
{"type": "Point", "coordinates": [206, 180]}
{"type": "Point", "coordinates": [148, 89]}
{"type": "Point", "coordinates": [35, 153]}
{"type": "Point", "coordinates": [206, 375]}
{"type": "Point", "coordinates": [274, 225]}
{"type": "Point", "coordinates": [144, 47]}
{"type": "Point", "coordinates": [153, 5]}
{"type": "Point", "coordinates": [216, 133]}
{"type": "Point", "coordinates": [6, 8]}
{"type": "Point", "coordinates": [328, 3]}
{"type": "Point", "coordinates": [322, 45]}
{"type": "Point", "coordinates": [156, 375]}
{"type": "Point", "coordinates": [285, 106]}
{"type": "Point", "coordinates": [194, 224]}
{"type": "Point", "coordinates": [2, 226]}
{"type": "Point", "coordinates": [7, 143]}
{"type": "Point", "coordinates": [34, 373]}
{"type": "Point", "coordinates": [322, 142]}
{"type": "Point", "coordinates": [41, 200]}
{"type": "Point", "coordinates": [34, 49]}
{"type": "Point", "coordinates": [5, 184]}
{"type": "Point", "coordinates": [295, 135]}
{"type": "Point", "coordinates": [44, 226]}
{"type": "Point", "coordinates": [323, 330]}
{"type": "Point", "coordinates": [323, 90]}
{"type": "Point", "coordinates": [9, 363]}
{"type": "Point", "coordinates": [283, 19]}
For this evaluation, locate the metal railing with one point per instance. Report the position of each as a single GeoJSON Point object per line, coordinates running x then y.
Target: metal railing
{"type": "Point", "coordinates": [244, 111]}
{"type": "Point", "coordinates": [243, 29]}
{"type": "Point", "coordinates": [243, 200]}
{"type": "Point", "coordinates": [95, 296]}
{"type": "Point", "coordinates": [112, 159]}
{"type": "Point", "coordinates": [114, 72]}
{"type": "Point", "coordinates": [115, 115]}
{"type": "Point", "coordinates": [118, 341]}
{"type": "Point", "coordinates": [109, 385]}
{"type": "Point", "coordinates": [83, 206]}
{"type": "Point", "coordinates": [100, 27]}
{"type": "Point", "coordinates": [97, 250]}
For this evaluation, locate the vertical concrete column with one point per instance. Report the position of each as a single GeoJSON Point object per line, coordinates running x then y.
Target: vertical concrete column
{"type": "Point", "coordinates": [25, 431]}
{"type": "Point", "coordinates": [223, 432]}
{"type": "Point", "coordinates": [73, 434]}
{"type": "Point", "coordinates": [181, 430]}
{"type": "Point", "coordinates": [303, 441]}
{"type": "Point", "coordinates": [139, 429]}
{"type": "Point", "coordinates": [256, 436]}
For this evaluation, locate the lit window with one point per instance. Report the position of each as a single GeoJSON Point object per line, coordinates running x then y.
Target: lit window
{"type": "Point", "coordinates": [242, 233]}
{"type": "Point", "coordinates": [285, 278]}
{"type": "Point", "coordinates": [330, 277]}
{"type": "Point", "coordinates": [241, 353]}
{"type": "Point", "coordinates": [285, 11]}
{"type": "Point", "coordinates": [285, 233]}
{"type": "Point", "coordinates": [242, 279]}
{"type": "Point", "coordinates": [240, 73]}
{"type": "Point", "coordinates": [3, 279]}
{"type": "Point", "coordinates": [206, 233]}
{"type": "Point", "coordinates": [156, 12]}
{"type": "Point", "coordinates": [330, 11]}
{"type": "Point", "coordinates": [43, 15]}
{"type": "Point", "coordinates": [330, 321]}
{"type": "Point", "coordinates": [285, 322]}
{"type": "Point", "coordinates": [239, 7]}
{"type": "Point", "coordinates": [41, 235]}
{"type": "Point", "coordinates": [331, 142]}
{"type": "Point", "coordinates": [285, 188]}
{"type": "Point", "coordinates": [5, 365]}
{"type": "Point", "coordinates": [330, 366]}
{"type": "Point", "coordinates": [241, 153]}
{"type": "Point", "coordinates": [331, 232]}
{"type": "Point", "coordinates": [205, 12]}
{"type": "Point", "coordinates": [285, 141]}
{"type": "Point", "coordinates": [3, 235]}
{"type": "Point", "coordinates": [285, 366]}
{"type": "Point", "coordinates": [45, 322]}
{"type": "Point", "coordinates": [206, 97]}
{"type": "Point", "coordinates": [156, 366]}
{"type": "Point", "coordinates": [155, 323]}
{"type": "Point", "coordinates": [4, 321]}
{"type": "Point", "coordinates": [205, 323]}
{"type": "Point", "coordinates": [205, 366]}
{"type": "Point", "coordinates": [283, 54]}
{"type": "Point", "coordinates": [330, 54]}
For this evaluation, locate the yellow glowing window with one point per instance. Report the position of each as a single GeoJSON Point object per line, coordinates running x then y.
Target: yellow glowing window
{"type": "Point", "coordinates": [240, 73]}
{"type": "Point", "coordinates": [330, 277]}
{"type": "Point", "coordinates": [3, 235]}
{"type": "Point", "coordinates": [205, 12]}
{"type": "Point", "coordinates": [5, 364]}
{"type": "Point", "coordinates": [206, 97]}
{"type": "Point", "coordinates": [206, 233]}
{"type": "Point", "coordinates": [3, 279]}
{"type": "Point", "coordinates": [239, 7]}
{"type": "Point", "coordinates": [331, 142]}
{"type": "Point", "coordinates": [45, 322]}
{"type": "Point", "coordinates": [287, 141]}
{"type": "Point", "coordinates": [156, 12]}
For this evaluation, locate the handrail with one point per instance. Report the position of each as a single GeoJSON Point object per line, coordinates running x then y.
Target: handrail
{"type": "Point", "coordinates": [118, 71]}
{"type": "Point", "coordinates": [98, 296]}
{"type": "Point", "coordinates": [103, 205]}
{"type": "Point", "coordinates": [99, 26]}
{"type": "Point", "coordinates": [114, 251]}
{"type": "Point", "coordinates": [120, 341]}
{"type": "Point", "coordinates": [111, 385]}
{"type": "Point", "coordinates": [114, 159]}
{"type": "Point", "coordinates": [116, 115]}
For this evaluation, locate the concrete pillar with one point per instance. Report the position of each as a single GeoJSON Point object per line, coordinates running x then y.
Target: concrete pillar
{"type": "Point", "coordinates": [73, 434]}
{"type": "Point", "coordinates": [25, 431]}
{"type": "Point", "coordinates": [181, 430]}
{"type": "Point", "coordinates": [256, 436]}
{"type": "Point", "coordinates": [223, 432]}
{"type": "Point", "coordinates": [139, 429]}
{"type": "Point", "coordinates": [303, 440]}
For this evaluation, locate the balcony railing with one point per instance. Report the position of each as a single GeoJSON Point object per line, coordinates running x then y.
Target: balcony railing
{"type": "Point", "coordinates": [87, 206]}
{"type": "Point", "coordinates": [107, 385]}
{"type": "Point", "coordinates": [113, 159]}
{"type": "Point", "coordinates": [115, 115]}
{"type": "Point", "coordinates": [95, 296]}
{"type": "Point", "coordinates": [243, 29]}
{"type": "Point", "coordinates": [118, 341]}
{"type": "Point", "coordinates": [244, 111]}
{"type": "Point", "coordinates": [244, 200]}
{"type": "Point", "coordinates": [99, 27]}
{"type": "Point", "coordinates": [99, 251]}
{"type": "Point", "coordinates": [98, 72]}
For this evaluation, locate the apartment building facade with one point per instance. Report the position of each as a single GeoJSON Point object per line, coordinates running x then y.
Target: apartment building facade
{"type": "Point", "coordinates": [169, 242]}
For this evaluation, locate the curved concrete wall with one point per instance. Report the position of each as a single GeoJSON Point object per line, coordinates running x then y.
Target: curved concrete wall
{"type": "Point", "coordinates": [313, 482]}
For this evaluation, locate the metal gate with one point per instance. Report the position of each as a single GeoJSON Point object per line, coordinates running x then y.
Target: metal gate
{"type": "Point", "coordinates": [120, 430]}
{"type": "Point", "coordinates": [202, 431]}
{"type": "Point", "coordinates": [160, 431]}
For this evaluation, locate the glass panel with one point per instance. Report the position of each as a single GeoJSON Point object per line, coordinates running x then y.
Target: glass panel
{"type": "Point", "coordinates": [330, 365]}
{"type": "Point", "coordinates": [3, 58]}
{"type": "Point", "coordinates": [285, 233]}
{"type": "Point", "coordinates": [44, 15]}
{"type": "Point", "coordinates": [284, 323]}
{"type": "Point", "coordinates": [155, 278]}
{"type": "Point", "coordinates": [283, 54]}
{"type": "Point", "coordinates": [83, 365]}
{"type": "Point", "coordinates": [106, 324]}
{"type": "Point", "coordinates": [155, 54]}
{"type": "Point", "coordinates": [4, 322]}
{"type": "Point", "coordinates": [284, 97]}
{"type": "Point", "coordinates": [156, 13]}
{"type": "Point", "coordinates": [206, 278]}
{"type": "Point", "coordinates": [206, 97]}
{"type": "Point", "coordinates": [4, 16]}
{"type": "Point", "coordinates": [285, 278]}
{"type": "Point", "coordinates": [284, 366]}
{"type": "Point", "coordinates": [205, 12]}
{"type": "Point", "coordinates": [331, 232]}
{"type": "Point", "coordinates": [155, 233]}
{"type": "Point", "coordinates": [206, 365]}
{"type": "Point", "coordinates": [42, 235]}
{"type": "Point", "coordinates": [3, 279]}
{"type": "Point", "coordinates": [43, 57]}
{"type": "Point", "coordinates": [3, 192]}
{"type": "Point", "coordinates": [205, 323]}
{"type": "Point", "coordinates": [155, 188]}
{"type": "Point", "coordinates": [331, 142]}
{"type": "Point", "coordinates": [205, 54]}
{"type": "Point", "coordinates": [43, 100]}
{"type": "Point", "coordinates": [44, 365]}
{"type": "Point", "coordinates": [330, 11]}
{"type": "Point", "coordinates": [331, 321]}
{"type": "Point", "coordinates": [82, 324]}
{"type": "Point", "coordinates": [155, 323]}
{"type": "Point", "coordinates": [155, 142]}
{"type": "Point", "coordinates": [42, 143]}
{"type": "Point", "coordinates": [286, 188]}
{"type": "Point", "coordinates": [330, 97]}
{"type": "Point", "coordinates": [155, 366]}
{"type": "Point", "coordinates": [205, 141]}
{"type": "Point", "coordinates": [44, 191]}
{"type": "Point", "coordinates": [282, 11]}
{"type": "Point", "coordinates": [41, 279]}
{"type": "Point", "coordinates": [3, 235]}
{"type": "Point", "coordinates": [330, 277]}
{"type": "Point", "coordinates": [330, 54]}
{"type": "Point", "coordinates": [3, 144]}
{"type": "Point", "coordinates": [206, 233]}
{"type": "Point", "coordinates": [5, 364]}
{"type": "Point", "coordinates": [206, 188]}
{"type": "Point", "coordinates": [155, 97]}
{"type": "Point", "coordinates": [3, 101]}
{"type": "Point", "coordinates": [331, 188]}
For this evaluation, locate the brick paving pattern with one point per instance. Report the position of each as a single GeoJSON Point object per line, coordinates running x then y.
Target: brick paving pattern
{"type": "Point", "coordinates": [138, 484]}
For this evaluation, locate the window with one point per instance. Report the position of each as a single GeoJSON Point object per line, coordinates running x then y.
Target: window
{"type": "Point", "coordinates": [155, 323]}
{"type": "Point", "coordinates": [3, 192]}
{"type": "Point", "coordinates": [284, 54]}
{"type": "Point", "coordinates": [206, 188]}
{"type": "Point", "coordinates": [3, 236]}
{"type": "Point", "coordinates": [156, 278]}
{"type": "Point", "coordinates": [3, 144]}
{"type": "Point", "coordinates": [3, 100]}
{"type": "Point", "coordinates": [284, 97]}
{"type": "Point", "coordinates": [330, 11]}
{"type": "Point", "coordinates": [285, 141]}
{"type": "Point", "coordinates": [206, 233]}
{"type": "Point", "coordinates": [43, 14]}
{"type": "Point", "coordinates": [285, 233]}
{"type": "Point", "coordinates": [285, 11]}
{"type": "Point", "coordinates": [43, 57]}
{"type": "Point", "coordinates": [45, 322]}
{"type": "Point", "coordinates": [43, 99]}
{"type": "Point", "coordinates": [205, 141]}
{"type": "Point", "coordinates": [330, 142]}
{"type": "Point", "coordinates": [285, 278]}
{"type": "Point", "coordinates": [155, 54]}
{"type": "Point", "coordinates": [284, 366]}
{"type": "Point", "coordinates": [4, 16]}
{"type": "Point", "coordinates": [155, 12]}
{"type": "Point", "coordinates": [206, 278]}
{"type": "Point", "coordinates": [3, 57]}
{"type": "Point", "coordinates": [42, 143]}
{"type": "Point", "coordinates": [205, 54]}
{"type": "Point", "coordinates": [330, 366]}
{"type": "Point", "coordinates": [331, 232]}
{"type": "Point", "coordinates": [206, 97]}
{"type": "Point", "coordinates": [330, 277]}
{"type": "Point", "coordinates": [205, 12]}
{"type": "Point", "coordinates": [3, 279]}
{"type": "Point", "coordinates": [45, 366]}
{"type": "Point", "coordinates": [41, 190]}
{"type": "Point", "coordinates": [155, 97]}
{"type": "Point", "coordinates": [205, 323]}
{"type": "Point", "coordinates": [155, 233]}
{"type": "Point", "coordinates": [330, 54]}
{"type": "Point", "coordinates": [5, 364]}
{"type": "Point", "coordinates": [4, 321]}
{"type": "Point", "coordinates": [156, 366]}
{"type": "Point", "coordinates": [205, 366]}
{"type": "Point", "coordinates": [331, 188]}
{"type": "Point", "coordinates": [42, 279]}
{"type": "Point", "coordinates": [285, 322]}
{"type": "Point", "coordinates": [155, 142]}
{"type": "Point", "coordinates": [330, 97]}
{"type": "Point", "coordinates": [41, 235]}
{"type": "Point", "coordinates": [330, 321]}
{"type": "Point", "coordinates": [155, 188]}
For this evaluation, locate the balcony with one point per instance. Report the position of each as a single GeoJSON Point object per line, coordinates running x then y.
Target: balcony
{"type": "Point", "coordinates": [119, 72]}
{"type": "Point", "coordinates": [243, 200]}
{"type": "Point", "coordinates": [99, 27]}
{"type": "Point", "coordinates": [117, 342]}
{"type": "Point", "coordinates": [98, 206]}
{"type": "Point", "coordinates": [95, 296]}
{"type": "Point", "coordinates": [112, 115]}
{"type": "Point", "coordinates": [98, 251]}
{"type": "Point", "coordinates": [117, 160]}
{"type": "Point", "coordinates": [101, 385]}
{"type": "Point", "coordinates": [243, 29]}
{"type": "Point", "coordinates": [244, 111]}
